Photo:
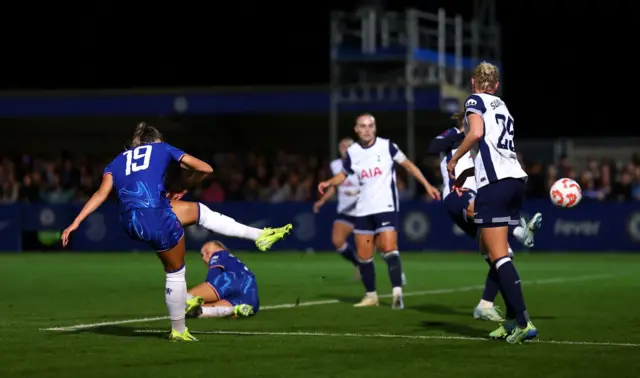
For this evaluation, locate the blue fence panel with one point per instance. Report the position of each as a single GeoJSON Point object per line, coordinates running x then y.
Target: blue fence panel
{"type": "Point", "coordinates": [592, 226]}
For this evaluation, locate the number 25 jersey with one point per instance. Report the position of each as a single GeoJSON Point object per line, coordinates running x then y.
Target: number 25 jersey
{"type": "Point", "coordinates": [494, 156]}
{"type": "Point", "coordinates": [139, 173]}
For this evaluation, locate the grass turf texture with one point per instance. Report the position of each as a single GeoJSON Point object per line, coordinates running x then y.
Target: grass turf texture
{"type": "Point", "coordinates": [571, 297]}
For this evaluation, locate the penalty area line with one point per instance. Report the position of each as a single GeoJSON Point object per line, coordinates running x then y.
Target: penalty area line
{"type": "Point", "coordinates": [386, 336]}
{"type": "Point", "coordinates": [462, 289]}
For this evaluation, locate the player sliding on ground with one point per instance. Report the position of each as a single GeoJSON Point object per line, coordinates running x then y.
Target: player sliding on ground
{"type": "Point", "coordinates": [230, 288]}
{"type": "Point", "coordinates": [147, 215]}
{"type": "Point", "coordinates": [373, 160]}
{"type": "Point", "coordinates": [501, 184]}
{"type": "Point", "coordinates": [459, 205]}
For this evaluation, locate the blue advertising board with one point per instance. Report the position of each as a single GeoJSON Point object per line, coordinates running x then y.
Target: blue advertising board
{"type": "Point", "coordinates": [592, 226]}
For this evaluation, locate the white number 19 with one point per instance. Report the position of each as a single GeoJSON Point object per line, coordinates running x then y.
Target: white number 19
{"type": "Point", "coordinates": [133, 158]}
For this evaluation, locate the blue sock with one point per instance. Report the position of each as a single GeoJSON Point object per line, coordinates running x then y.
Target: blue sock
{"type": "Point", "coordinates": [368, 275]}
{"type": "Point", "coordinates": [348, 253]}
{"type": "Point", "coordinates": [491, 285]}
{"type": "Point", "coordinates": [394, 266]}
{"type": "Point", "coordinates": [512, 289]}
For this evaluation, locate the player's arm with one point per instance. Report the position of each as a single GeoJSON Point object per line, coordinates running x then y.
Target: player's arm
{"type": "Point", "coordinates": [474, 109]}
{"type": "Point", "coordinates": [400, 158]}
{"type": "Point", "coordinates": [331, 191]}
{"type": "Point", "coordinates": [469, 172]}
{"type": "Point", "coordinates": [332, 182]}
{"type": "Point", "coordinates": [92, 204]}
{"type": "Point", "coordinates": [445, 142]}
{"type": "Point", "coordinates": [194, 164]}
{"type": "Point", "coordinates": [96, 199]}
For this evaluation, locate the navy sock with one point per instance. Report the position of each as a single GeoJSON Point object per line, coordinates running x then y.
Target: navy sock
{"type": "Point", "coordinates": [394, 266]}
{"type": "Point", "coordinates": [368, 275]}
{"type": "Point", "coordinates": [491, 285]}
{"type": "Point", "coordinates": [348, 253]}
{"type": "Point", "coordinates": [512, 289]}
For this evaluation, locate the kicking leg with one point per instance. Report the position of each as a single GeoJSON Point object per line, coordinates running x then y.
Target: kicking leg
{"type": "Point", "coordinates": [194, 212]}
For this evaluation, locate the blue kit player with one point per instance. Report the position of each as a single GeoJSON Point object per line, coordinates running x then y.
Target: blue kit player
{"type": "Point", "coordinates": [230, 289]}
{"type": "Point", "coordinates": [147, 215]}
{"type": "Point", "coordinates": [458, 198]}
{"type": "Point", "coordinates": [501, 183]}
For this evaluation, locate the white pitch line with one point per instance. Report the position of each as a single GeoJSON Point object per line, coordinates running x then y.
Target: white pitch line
{"type": "Point", "coordinates": [385, 335]}
{"type": "Point", "coordinates": [334, 301]}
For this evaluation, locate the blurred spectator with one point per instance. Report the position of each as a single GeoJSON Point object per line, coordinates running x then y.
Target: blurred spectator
{"type": "Point", "coordinates": [282, 177]}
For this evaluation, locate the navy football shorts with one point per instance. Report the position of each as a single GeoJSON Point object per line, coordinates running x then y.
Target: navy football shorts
{"type": "Point", "coordinates": [498, 204]}
{"type": "Point", "coordinates": [376, 223]}
{"type": "Point", "coordinates": [346, 219]}
{"type": "Point", "coordinates": [234, 287]}
{"type": "Point", "coordinates": [456, 207]}
{"type": "Point", "coordinates": [159, 228]}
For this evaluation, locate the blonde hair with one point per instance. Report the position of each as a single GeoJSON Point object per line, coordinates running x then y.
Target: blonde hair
{"type": "Point", "coordinates": [486, 77]}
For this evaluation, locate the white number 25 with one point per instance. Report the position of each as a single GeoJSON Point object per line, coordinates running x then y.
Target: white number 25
{"type": "Point", "coordinates": [137, 159]}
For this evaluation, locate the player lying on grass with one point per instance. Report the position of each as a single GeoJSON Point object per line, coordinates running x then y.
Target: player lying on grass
{"type": "Point", "coordinates": [230, 288]}
{"type": "Point", "coordinates": [459, 204]}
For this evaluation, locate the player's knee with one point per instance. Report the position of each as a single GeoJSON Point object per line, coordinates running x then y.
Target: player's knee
{"type": "Point", "coordinates": [338, 241]}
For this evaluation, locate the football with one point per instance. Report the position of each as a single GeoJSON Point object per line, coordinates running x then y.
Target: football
{"type": "Point", "coordinates": [565, 193]}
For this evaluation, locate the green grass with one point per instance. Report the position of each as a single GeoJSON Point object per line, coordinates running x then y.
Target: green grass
{"type": "Point", "coordinates": [594, 299]}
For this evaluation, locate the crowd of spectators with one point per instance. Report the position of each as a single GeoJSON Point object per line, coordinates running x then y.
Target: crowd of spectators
{"type": "Point", "coordinates": [285, 177]}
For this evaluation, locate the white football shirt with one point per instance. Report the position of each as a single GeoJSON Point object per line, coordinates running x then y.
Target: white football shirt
{"type": "Point", "coordinates": [465, 162]}
{"type": "Point", "coordinates": [347, 192]}
{"type": "Point", "coordinates": [375, 169]}
{"type": "Point", "coordinates": [494, 156]}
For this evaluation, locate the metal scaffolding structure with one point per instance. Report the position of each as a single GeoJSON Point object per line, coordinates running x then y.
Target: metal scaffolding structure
{"type": "Point", "coordinates": [382, 57]}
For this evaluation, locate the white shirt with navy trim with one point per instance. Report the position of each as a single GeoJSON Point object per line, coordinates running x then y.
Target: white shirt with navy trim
{"type": "Point", "coordinates": [347, 192]}
{"type": "Point", "coordinates": [465, 162]}
{"type": "Point", "coordinates": [494, 156]}
{"type": "Point", "coordinates": [375, 168]}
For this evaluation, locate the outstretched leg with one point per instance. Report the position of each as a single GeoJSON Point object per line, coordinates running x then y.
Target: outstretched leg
{"type": "Point", "coordinates": [194, 212]}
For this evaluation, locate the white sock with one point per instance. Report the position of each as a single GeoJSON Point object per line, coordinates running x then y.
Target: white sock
{"type": "Point", "coordinates": [176, 297]}
{"type": "Point", "coordinates": [396, 291]}
{"type": "Point", "coordinates": [485, 304]}
{"type": "Point", "coordinates": [372, 294]}
{"type": "Point", "coordinates": [519, 234]}
{"type": "Point", "coordinates": [216, 312]}
{"type": "Point", "coordinates": [224, 225]}
{"type": "Point", "coordinates": [189, 296]}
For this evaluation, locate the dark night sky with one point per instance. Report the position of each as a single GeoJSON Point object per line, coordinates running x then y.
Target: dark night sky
{"type": "Point", "coordinates": [181, 44]}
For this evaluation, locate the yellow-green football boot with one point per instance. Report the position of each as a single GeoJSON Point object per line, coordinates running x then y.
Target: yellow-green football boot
{"type": "Point", "coordinates": [176, 336]}
{"type": "Point", "coordinates": [271, 235]}
{"type": "Point", "coordinates": [503, 330]}
{"type": "Point", "coordinates": [194, 307]}
{"type": "Point", "coordinates": [243, 310]}
{"type": "Point", "coordinates": [519, 335]}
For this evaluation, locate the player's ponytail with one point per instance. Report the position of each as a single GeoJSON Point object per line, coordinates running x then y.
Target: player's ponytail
{"type": "Point", "coordinates": [144, 134]}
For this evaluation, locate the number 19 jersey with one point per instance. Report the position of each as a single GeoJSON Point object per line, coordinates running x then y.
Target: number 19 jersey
{"type": "Point", "coordinates": [494, 156]}
{"type": "Point", "coordinates": [139, 173]}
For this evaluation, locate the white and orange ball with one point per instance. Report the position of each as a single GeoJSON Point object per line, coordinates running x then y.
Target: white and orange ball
{"type": "Point", "coordinates": [566, 193]}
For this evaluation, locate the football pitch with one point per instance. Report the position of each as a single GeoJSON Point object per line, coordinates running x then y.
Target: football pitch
{"type": "Point", "coordinates": [103, 315]}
